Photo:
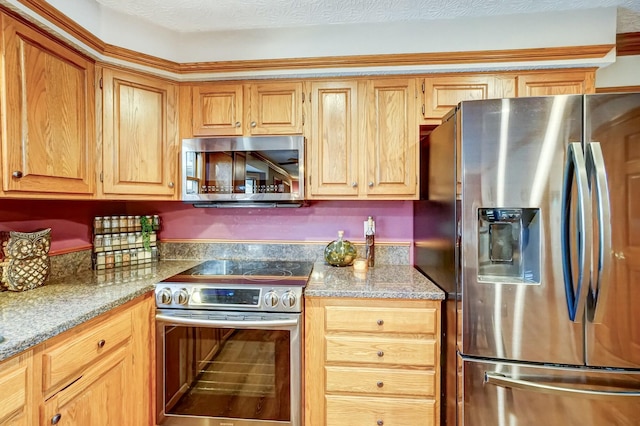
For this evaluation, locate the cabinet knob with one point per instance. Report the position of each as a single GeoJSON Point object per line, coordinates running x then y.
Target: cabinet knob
{"type": "Point", "coordinates": [380, 384]}
{"type": "Point", "coordinates": [55, 419]}
{"type": "Point", "coordinates": [171, 185]}
{"type": "Point", "coordinates": [354, 184]}
{"type": "Point", "coordinates": [254, 124]}
{"type": "Point", "coordinates": [101, 343]}
{"type": "Point", "coordinates": [17, 174]}
{"type": "Point", "coordinates": [380, 354]}
{"type": "Point", "coordinates": [370, 184]}
{"type": "Point", "coordinates": [380, 322]}
{"type": "Point", "coordinates": [237, 124]}
{"type": "Point", "coordinates": [380, 422]}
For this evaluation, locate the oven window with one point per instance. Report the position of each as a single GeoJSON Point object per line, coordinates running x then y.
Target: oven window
{"type": "Point", "coordinates": [230, 373]}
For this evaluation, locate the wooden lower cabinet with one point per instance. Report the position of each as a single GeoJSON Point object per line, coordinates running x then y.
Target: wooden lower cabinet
{"type": "Point", "coordinates": [99, 373]}
{"type": "Point", "coordinates": [16, 390]}
{"type": "Point", "coordinates": [372, 362]}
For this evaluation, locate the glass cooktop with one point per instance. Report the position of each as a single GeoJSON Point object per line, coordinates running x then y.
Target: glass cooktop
{"type": "Point", "coordinates": [288, 273]}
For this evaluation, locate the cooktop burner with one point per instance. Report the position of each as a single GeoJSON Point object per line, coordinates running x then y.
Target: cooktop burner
{"type": "Point", "coordinates": [237, 271]}
{"type": "Point", "coordinates": [259, 286]}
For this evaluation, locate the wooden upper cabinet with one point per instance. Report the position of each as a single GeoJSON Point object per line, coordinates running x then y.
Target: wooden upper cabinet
{"type": "Point", "coordinates": [442, 93]}
{"type": "Point", "coordinates": [390, 144]}
{"type": "Point", "coordinates": [275, 108]}
{"type": "Point", "coordinates": [234, 109]}
{"type": "Point", "coordinates": [363, 139]}
{"type": "Point", "coordinates": [140, 139]}
{"type": "Point", "coordinates": [217, 110]}
{"type": "Point", "coordinates": [556, 83]}
{"type": "Point", "coordinates": [333, 160]}
{"type": "Point", "coordinates": [49, 95]}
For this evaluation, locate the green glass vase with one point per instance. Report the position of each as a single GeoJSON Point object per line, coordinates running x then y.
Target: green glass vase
{"type": "Point", "coordinates": [340, 252]}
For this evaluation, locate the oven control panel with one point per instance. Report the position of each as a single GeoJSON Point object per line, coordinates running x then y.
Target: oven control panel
{"type": "Point", "coordinates": [241, 297]}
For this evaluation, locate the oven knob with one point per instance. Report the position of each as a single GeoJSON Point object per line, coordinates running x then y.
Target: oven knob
{"type": "Point", "coordinates": [164, 296]}
{"type": "Point", "coordinates": [271, 299]}
{"type": "Point", "coordinates": [288, 299]}
{"type": "Point", "coordinates": [181, 296]}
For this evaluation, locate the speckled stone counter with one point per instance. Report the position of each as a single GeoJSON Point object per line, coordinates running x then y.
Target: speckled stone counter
{"type": "Point", "coordinates": [383, 281]}
{"type": "Point", "coordinates": [31, 317]}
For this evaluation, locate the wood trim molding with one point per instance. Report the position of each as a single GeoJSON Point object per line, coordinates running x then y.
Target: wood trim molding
{"type": "Point", "coordinates": [54, 16]}
{"type": "Point", "coordinates": [44, 9]}
{"type": "Point", "coordinates": [288, 242]}
{"type": "Point", "coordinates": [628, 44]}
{"type": "Point", "coordinates": [618, 89]}
{"type": "Point", "coordinates": [403, 59]}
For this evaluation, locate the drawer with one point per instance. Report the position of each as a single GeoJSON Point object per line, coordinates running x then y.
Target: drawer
{"type": "Point", "coordinates": [13, 387]}
{"type": "Point", "coordinates": [68, 357]}
{"type": "Point", "coordinates": [368, 411]}
{"type": "Point", "coordinates": [380, 350]}
{"type": "Point", "coordinates": [391, 320]}
{"type": "Point", "coordinates": [380, 381]}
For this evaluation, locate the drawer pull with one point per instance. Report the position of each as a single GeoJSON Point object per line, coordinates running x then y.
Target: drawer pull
{"type": "Point", "coordinates": [380, 422]}
{"type": "Point", "coordinates": [380, 384]}
{"type": "Point", "coordinates": [380, 354]}
{"type": "Point", "coordinates": [380, 322]}
{"type": "Point", "coordinates": [101, 343]}
{"type": "Point", "coordinates": [55, 419]}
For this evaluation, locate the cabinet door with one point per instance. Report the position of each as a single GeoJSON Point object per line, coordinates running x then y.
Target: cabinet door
{"type": "Point", "coordinates": [276, 108]}
{"type": "Point", "coordinates": [16, 389]}
{"type": "Point", "coordinates": [391, 146]}
{"type": "Point", "coordinates": [48, 92]}
{"type": "Point", "coordinates": [443, 93]}
{"type": "Point", "coordinates": [333, 145]}
{"type": "Point", "coordinates": [217, 110]}
{"type": "Point", "coordinates": [556, 83]}
{"type": "Point", "coordinates": [139, 136]}
{"type": "Point", "coordinates": [98, 398]}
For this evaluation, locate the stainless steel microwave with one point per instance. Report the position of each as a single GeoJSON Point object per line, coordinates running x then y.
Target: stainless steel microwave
{"type": "Point", "coordinates": [243, 171]}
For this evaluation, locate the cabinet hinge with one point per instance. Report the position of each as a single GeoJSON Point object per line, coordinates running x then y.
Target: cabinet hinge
{"type": "Point", "coordinates": [422, 109]}
{"type": "Point", "coordinates": [423, 87]}
{"type": "Point", "coordinates": [303, 119]}
{"type": "Point", "coordinates": [302, 97]}
{"type": "Point", "coordinates": [309, 97]}
{"type": "Point", "coordinates": [101, 82]}
{"type": "Point", "coordinates": [101, 177]}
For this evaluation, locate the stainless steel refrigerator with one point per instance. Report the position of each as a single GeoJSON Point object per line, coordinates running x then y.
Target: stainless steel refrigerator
{"type": "Point", "coordinates": [530, 219]}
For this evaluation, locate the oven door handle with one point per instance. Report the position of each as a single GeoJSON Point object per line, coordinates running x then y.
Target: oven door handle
{"type": "Point", "coordinates": [266, 324]}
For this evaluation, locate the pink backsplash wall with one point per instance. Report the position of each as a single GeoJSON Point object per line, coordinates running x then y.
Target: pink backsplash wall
{"type": "Point", "coordinates": [71, 221]}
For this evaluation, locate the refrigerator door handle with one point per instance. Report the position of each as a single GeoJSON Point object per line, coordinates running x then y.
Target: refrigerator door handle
{"type": "Point", "coordinates": [501, 380]}
{"type": "Point", "coordinates": [599, 287]}
{"type": "Point", "coordinates": [575, 167]}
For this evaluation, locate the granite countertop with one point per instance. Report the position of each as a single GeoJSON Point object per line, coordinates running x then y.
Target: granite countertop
{"type": "Point", "coordinates": [30, 317]}
{"type": "Point", "coordinates": [382, 281]}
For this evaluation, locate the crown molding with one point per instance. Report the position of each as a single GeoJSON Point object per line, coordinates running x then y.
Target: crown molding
{"type": "Point", "coordinates": [628, 44]}
{"type": "Point", "coordinates": [124, 55]}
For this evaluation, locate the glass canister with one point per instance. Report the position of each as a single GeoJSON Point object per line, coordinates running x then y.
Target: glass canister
{"type": "Point", "coordinates": [340, 252]}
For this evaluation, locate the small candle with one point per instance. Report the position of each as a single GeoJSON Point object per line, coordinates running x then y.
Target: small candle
{"type": "Point", "coordinates": [360, 265]}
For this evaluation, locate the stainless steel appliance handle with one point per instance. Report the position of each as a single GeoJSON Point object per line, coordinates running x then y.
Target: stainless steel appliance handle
{"type": "Point", "coordinates": [601, 275]}
{"type": "Point", "coordinates": [266, 324]}
{"type": "Point", "coordinates": [575, 167]}
{"type": "Point", "coordinates": [509, 382]}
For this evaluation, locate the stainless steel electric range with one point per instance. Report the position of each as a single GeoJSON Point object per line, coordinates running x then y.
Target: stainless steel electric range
{"type": "Point", "coordinates": [229, 347]}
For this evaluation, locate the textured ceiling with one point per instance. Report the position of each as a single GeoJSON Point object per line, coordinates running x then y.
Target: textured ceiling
{"type": "Point", "coordinates": [219, 15]}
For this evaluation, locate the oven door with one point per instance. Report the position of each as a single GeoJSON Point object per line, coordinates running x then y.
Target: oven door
{"type": "Point", "coordinates": [228, 368]}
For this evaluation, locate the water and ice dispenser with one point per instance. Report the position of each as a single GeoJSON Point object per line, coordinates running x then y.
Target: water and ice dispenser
{"type": "Point", "coordinates": [509, 245]}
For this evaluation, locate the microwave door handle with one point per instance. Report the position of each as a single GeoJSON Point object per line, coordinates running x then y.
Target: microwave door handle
{"type": "Point", "coordinates": [267, 324]}
{"type": "Point", "coordinates": [575, 167]}
{"type": "Point", "coordinates": [501, 380]}
{"type": "Point", "coordinates": [598, 175]}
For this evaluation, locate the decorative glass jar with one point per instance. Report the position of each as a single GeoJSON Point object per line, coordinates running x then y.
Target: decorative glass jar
{"type": "Point", "coordinates": [340, 252]}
